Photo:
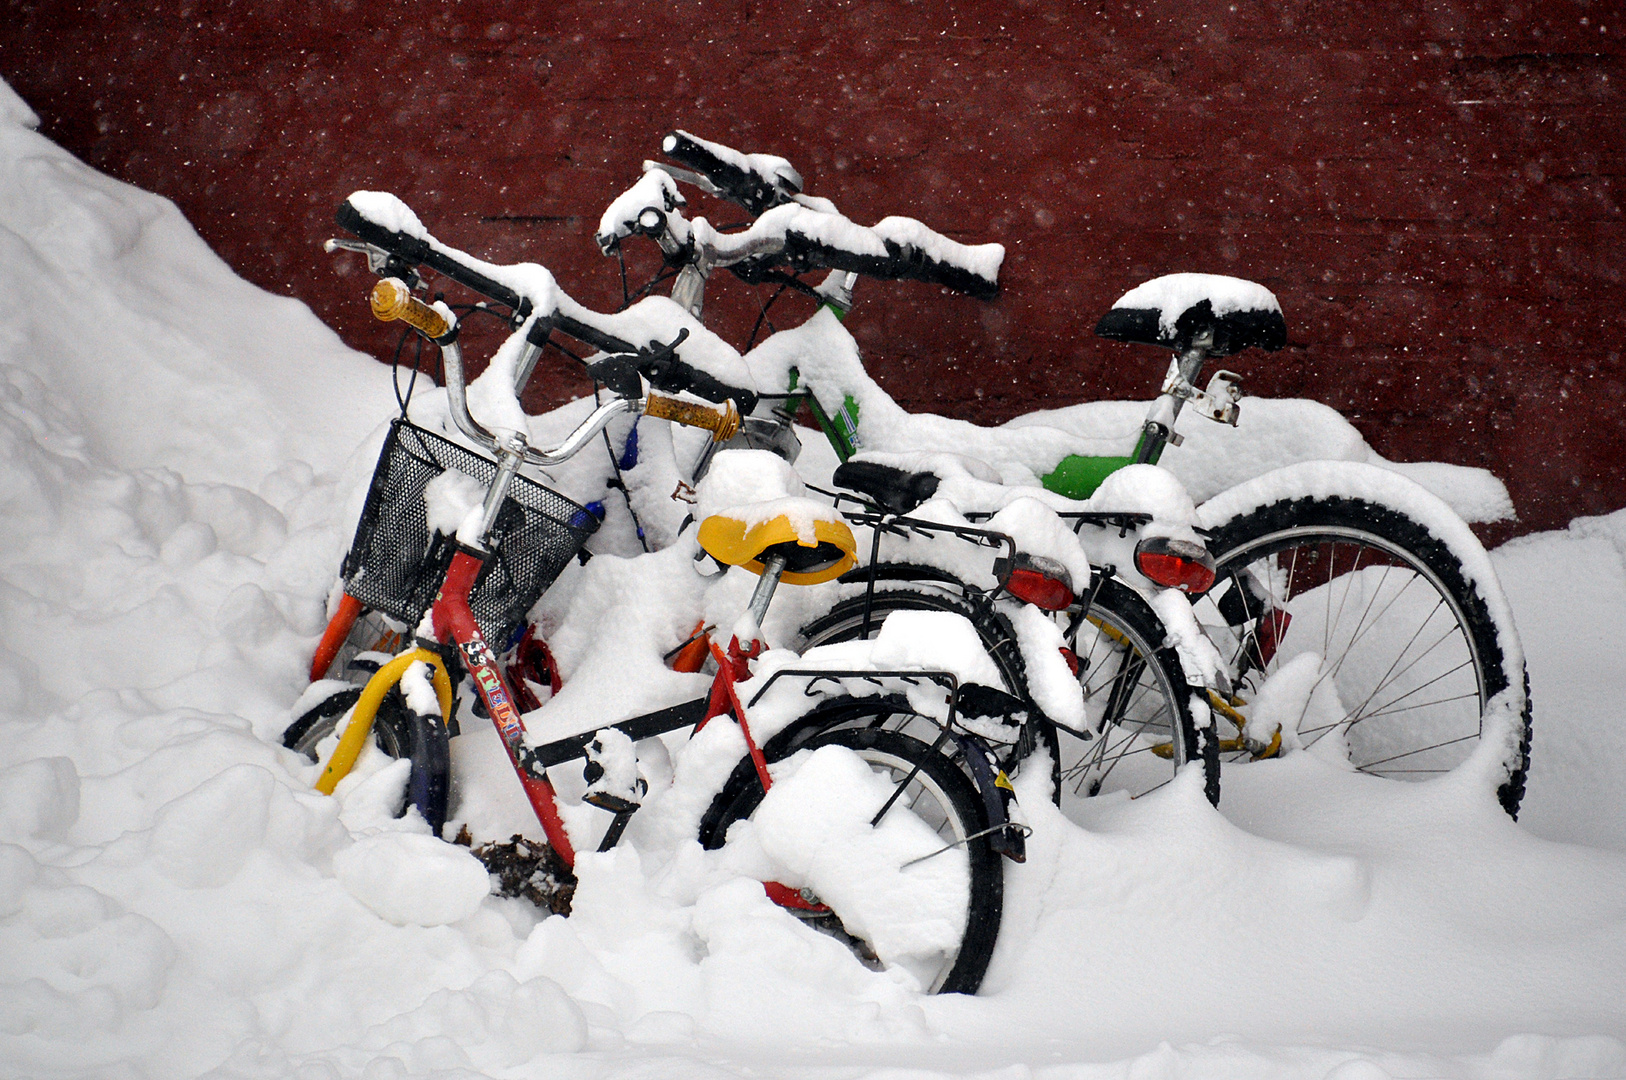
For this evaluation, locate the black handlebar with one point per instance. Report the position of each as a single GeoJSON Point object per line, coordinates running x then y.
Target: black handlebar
{"type": "Point", "coordinates": [899, 264]}
{"type": "Point", "coordinates": [418, 252]}
{"type": "Point", "coordinates": [659, 364]}
{"type": "Point", "coordinates": [749, 189]}
{"type": "Point", "coordinates": [757, 192]}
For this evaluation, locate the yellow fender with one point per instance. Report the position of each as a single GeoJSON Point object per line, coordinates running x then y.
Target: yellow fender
{"type": "Point", "coordinates": [372, 696]}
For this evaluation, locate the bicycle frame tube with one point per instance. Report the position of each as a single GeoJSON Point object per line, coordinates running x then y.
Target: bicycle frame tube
{"type": "Point", "coordinates": [454, 623]}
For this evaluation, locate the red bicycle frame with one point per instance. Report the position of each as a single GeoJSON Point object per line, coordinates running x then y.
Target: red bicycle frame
{"type": "Point", "coordinates": [454, 624]}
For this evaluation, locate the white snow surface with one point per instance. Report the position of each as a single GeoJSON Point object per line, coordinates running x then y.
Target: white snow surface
{"type": "Point", "coordinates": [183, 458]}
{"type": "Point", "coordinates": [1271, 433]}
{"type": "Point", "coordinates": [1171, 294]}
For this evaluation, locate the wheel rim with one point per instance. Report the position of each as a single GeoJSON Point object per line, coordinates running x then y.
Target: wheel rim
{"type": "Point", "coordinates": [1399, 674]}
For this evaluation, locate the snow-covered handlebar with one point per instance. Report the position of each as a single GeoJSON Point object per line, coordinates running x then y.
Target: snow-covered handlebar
{"type": "Point", "coordinates": [397, 243]}
{"type": "Point", "coordinates": [792, 229]}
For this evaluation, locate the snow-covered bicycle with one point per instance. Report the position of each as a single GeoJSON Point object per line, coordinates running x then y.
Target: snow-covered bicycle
{"type": "Point", "coordinates": [1370, 598]}
{"type": "Point", "coordinates": [457, 544]}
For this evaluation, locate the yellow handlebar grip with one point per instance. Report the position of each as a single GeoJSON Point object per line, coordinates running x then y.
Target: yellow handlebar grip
{"type": "Point", "coordinates": [393, 300]}
{"type": "Point", "coordinates": [723, 421]}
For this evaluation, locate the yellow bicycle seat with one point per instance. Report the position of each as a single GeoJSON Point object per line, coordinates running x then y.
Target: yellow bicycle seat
{"type": "Point", "coordinates": [832, 553]}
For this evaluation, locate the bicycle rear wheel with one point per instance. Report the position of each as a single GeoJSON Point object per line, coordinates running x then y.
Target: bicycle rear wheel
{"type": "Point", "coordinates": [1406, 654]}
{"type": "Point", "coordinates": [1141, 730]}
{"type": "Point", "coordinates": [940, 814]}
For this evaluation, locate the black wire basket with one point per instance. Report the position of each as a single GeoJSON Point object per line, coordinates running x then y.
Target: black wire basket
{"type": "Point", "coordinates": [396, 564]}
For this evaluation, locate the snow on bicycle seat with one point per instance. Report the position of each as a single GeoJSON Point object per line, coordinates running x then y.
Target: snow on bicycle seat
{"type": "Point", "coordinates": [751, 506]}
{"type": "Point", "coordinates": [1174, 310]}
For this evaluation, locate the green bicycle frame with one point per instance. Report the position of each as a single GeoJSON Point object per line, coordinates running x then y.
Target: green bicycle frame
{"type": "Point", "coordinates": [1075, 476]}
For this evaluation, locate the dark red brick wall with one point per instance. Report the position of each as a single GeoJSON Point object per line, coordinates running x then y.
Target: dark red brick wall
{"type": "Point", "coordinates": [1432, 189]}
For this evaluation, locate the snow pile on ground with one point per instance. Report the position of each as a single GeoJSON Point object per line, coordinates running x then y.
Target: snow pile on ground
{"type": "Point", "coordinates": [182, 458]}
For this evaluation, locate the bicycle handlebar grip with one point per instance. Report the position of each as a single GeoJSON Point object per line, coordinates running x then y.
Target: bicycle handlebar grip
{"type": "Point", "coordinates": [722, 421]}
{"type": "Point", "coordinates": [393, 300]}
{"type": "Point", "coordinates": [735, 180]}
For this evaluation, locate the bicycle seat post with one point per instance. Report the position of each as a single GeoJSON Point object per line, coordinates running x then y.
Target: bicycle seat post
{"type": "Point", "coordinates": [772, 569]}
{"type": "Point", "coordinates": [1158, 430]}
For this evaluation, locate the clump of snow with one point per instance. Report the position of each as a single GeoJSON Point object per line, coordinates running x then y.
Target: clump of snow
{"type": "Point", "coordinates": [917, 640]}
{"type": "Point", "coordinates": [39, 799]}
{"type": "Point", "coordinates": [1298, 694]}
{"type": "Point", "coordinates": [653, 189]}
{"type": "Point", "coordinates": [411, 879]}
{"type": "Point", "coordinates": [449, 499]}
{"type": "Point", "coordinates": [386, 210]}
{"type": "Point", "coordinates": [1172, 294]}
{"type": "Point", "coordinates": [739, 478]}
{"type": "Point", "coordinates": [1038, 531]}
{"type": "Point", "coordinates": [754, 486]}
{"type": "Point", "coordinates": [202, 839]}
{"type": "Point", "coordinates": [1050, 681]}
{"type": "Point", "coordinates": [813, 826]}
{"type": "Point", "coordinates": [1270, 434]}
{"type": "Point", "coordinates": [983, 260]}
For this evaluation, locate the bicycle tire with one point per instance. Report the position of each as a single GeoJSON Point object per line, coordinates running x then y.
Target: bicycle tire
{"type": "Point", "coordinates": [940, 795]}
{"type": "Point", "coordinates": [1417, 620]}
{"type": "Point", "coordinates": [1137, 702]}
{"type": "Point", "coordinates": [398, 732]}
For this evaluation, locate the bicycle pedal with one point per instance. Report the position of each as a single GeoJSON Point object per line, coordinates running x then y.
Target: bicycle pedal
{"type": "Point", "coordinates": [615, 804]}
{"type": "Point", "coordinates": [611, 772]}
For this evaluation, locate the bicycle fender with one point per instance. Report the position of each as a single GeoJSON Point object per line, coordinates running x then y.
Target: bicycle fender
{"type": "Point", "coordinates": [996, 791]}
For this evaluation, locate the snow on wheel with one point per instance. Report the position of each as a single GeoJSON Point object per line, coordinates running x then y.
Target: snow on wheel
{"type": "Point", "coordinates": [1359, 609]}
{"type": "Point", "coordinates": [920, 888]}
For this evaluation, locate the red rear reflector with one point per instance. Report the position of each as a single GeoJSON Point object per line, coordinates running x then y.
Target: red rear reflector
{"type": "Point", "coordinates": [1177, 564]}
{"type": "Point", "coordinates": [1032, 587]}
{"type": "Point", "coordinates": [1267, 636]}
{"type": "Point", "coordinates": [1072, 660]}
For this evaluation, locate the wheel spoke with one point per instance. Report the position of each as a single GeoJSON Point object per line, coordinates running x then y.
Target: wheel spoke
{"type": "Point", "coordinates": [1413, 654]}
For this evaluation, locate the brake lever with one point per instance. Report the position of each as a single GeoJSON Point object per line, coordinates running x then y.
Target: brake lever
{"type": "Point", "coordinates": [654, 364]}
{"type": "Point", "coordinates": [379, 261]}
{"type": "Point", "coordinates": [621, 372]}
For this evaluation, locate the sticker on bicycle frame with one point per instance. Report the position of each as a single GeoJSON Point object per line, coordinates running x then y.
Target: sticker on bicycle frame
{"type": "Point", "coordinates": [502, 710]}
{"type": "Point", "coordinates": [478, 653]}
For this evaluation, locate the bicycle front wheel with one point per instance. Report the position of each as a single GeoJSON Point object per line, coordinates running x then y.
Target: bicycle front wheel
{"type": "Point", "coordinates": [399, 732]}
{"type": "Point", "coordinates": [1396, 650]}
{"type": "Point", "coordinates": [937, 823]}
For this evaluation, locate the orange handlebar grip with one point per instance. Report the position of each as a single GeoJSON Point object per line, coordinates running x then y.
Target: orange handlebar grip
{"type": "Point", "coordinates": [393, 300]}
{"type": "Point", "coordinates": [723, 421]}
